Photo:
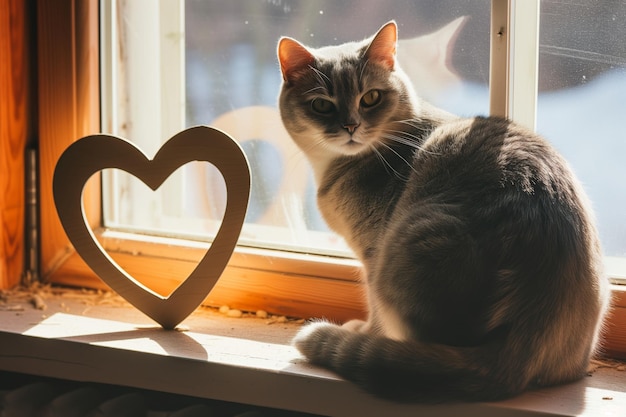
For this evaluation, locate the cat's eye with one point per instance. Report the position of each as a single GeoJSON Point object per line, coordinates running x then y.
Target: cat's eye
{"type": "Point", "coordinates": [371, 98]}
{"type": "Point", "coordinates": [322, 106]}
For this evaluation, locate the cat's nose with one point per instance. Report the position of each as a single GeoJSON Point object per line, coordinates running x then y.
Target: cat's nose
{"type": "Point", "coordinates": [351, 127]}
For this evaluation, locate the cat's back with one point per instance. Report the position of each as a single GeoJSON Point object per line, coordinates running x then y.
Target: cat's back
{"type": "Point", "coordinates": [482, 154]}
{"type": "Point", "coordinates": [510, 195]}
{"type": "Point", "coordinates": [493, 214]}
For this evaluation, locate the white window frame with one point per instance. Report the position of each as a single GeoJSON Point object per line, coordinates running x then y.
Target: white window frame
{"type": "Point", "coordinates": [156, 81]}
{"type": "Point", "coordinates": [514, 58]}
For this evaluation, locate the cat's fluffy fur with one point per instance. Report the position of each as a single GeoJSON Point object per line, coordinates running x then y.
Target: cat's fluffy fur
{"type": "Point", "coordinates": [482, 261]}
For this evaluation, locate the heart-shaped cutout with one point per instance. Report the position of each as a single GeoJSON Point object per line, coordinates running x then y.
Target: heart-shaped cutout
{"type": "Point", "coordinates": [92, 154]}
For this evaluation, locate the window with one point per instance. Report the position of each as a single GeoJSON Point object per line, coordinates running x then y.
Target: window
{"type": "Point", "coordinates": [582, 83]}
{"type": "Point", "coordinates": [287, 281]}
{"type": "Point", "coordinates": [214, 63]}
{"type": "Point", "coordinates": [207, 62]}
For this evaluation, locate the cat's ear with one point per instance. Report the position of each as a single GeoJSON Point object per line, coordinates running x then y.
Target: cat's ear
{"type": "Point", "coordinates": [382, 49]}
{"type": "Point", "coordinates": [293, 57]}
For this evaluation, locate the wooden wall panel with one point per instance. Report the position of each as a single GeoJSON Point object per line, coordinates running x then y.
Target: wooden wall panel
{"type": "Point", "coordinates": [13, 136]}
{"type": "Point", "coordinates": [68, 107]}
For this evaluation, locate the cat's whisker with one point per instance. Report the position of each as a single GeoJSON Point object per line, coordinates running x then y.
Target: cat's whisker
{"type": "Point", "coordinates": [411, 122]}
{"type": "Point", "coordinates": [401, 140]}
{"type": "Point", "coordinates": [314, 143]}
{"type": "Point", "coordinates": [321, 87]}
{"type": "Point", "coordinates": [407, 139]}
{"type": "Point", "coordinates": [362, 70]}
{"type": "Point", "coordinates": [388, 166]}
{"type": "Point", "coordinates": [401, 157]}
{"type": "Point", "coordinates": [409, 136]}
{"type": "Point", "coordinates": [325, 81]}
{"type": "Point", "coordinates": [416, 124]}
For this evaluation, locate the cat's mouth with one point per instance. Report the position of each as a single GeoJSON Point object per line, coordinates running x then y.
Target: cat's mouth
{"type": "Point", "coordinates": [348, 144]}
{"type": "Point", "coordinates": [353, 146]}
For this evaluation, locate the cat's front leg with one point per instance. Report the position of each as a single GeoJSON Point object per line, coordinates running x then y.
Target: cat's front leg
{"type": "Point", "coordinates": [314, 334]}
{"type": "Point", "coordinates": [313, 337]}
{"type": "Point", "coordinates": [360, 326]}
{"type": "Point", "coordinates": [319, 341]}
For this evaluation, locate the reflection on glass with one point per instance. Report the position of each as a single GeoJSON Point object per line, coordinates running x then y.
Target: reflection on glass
{"type": "Point", "coordinates": [233, 81]}
{"type": "Point", "coordinates": [582, 103]}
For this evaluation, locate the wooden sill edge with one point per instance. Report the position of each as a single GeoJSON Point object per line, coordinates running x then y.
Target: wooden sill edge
{"type": "Point", "coordinates": [240, 367]}
{"type": "Point", "coordinates": [259, 279]}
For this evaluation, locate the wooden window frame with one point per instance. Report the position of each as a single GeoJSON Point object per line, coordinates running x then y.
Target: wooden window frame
{"type": "Point", "coordinates": [281, 282]}
{"type": "Point", "coordinates": [16, 132]}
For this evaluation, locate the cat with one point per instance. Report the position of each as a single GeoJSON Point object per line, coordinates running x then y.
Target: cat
{"type": "Point", "coordinates": [480, 254]}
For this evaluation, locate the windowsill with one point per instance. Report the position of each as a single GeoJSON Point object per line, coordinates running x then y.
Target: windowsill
{"type": "Point", "coordinates": [88, 337]}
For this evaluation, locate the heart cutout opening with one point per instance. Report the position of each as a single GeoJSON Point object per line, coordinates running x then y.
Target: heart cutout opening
{"type": "Point", "coordinates": [181, 207]}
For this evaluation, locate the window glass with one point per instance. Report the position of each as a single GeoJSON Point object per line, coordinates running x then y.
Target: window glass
{"type": "Point", "coordinates": [232, 80]}
{"type": "Point", "coordinates": [582, 102]}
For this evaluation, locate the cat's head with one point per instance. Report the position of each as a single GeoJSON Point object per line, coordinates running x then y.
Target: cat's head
{"type": "Point", "coordinates": [344, 100]}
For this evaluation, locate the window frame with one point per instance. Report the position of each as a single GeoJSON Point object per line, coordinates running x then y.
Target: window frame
{"type": "Point", "coordinates": [285, 283]}
{"type": "Point", "coordinates": [15, 132]}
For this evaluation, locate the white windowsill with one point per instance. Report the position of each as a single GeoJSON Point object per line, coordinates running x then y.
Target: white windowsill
{"type": "Point", "coordinates": [241, 360]}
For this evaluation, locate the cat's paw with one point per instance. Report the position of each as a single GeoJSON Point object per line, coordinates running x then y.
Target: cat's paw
{"type": "Point", "coordinates": [356, 326]}
{"type": "Point", "coordinates": [311, 339]}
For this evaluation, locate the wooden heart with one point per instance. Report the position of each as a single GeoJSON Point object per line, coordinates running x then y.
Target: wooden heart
{"type": "Point", "coordinates": [91, 154]}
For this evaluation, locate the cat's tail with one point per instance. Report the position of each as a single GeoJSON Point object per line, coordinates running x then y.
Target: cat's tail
{"type": "Point", "coordinates": [412, 371]}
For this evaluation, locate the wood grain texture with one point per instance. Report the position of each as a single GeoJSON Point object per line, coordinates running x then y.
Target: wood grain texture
{"type": "Point", "coordinates": [615, 332]}
{"type": "Point", "coordinates": [297, 295]}
{"type": "Point", "coordinates": [249, 290]}
{"type": "Point", "coordinates": [68, 107]}
{"type": "Point", "coordinates": [61, 265]}
{"type": "Point", "coordinates": [13, 134]}
{"type": "Point", "coordinates": [239, 365]}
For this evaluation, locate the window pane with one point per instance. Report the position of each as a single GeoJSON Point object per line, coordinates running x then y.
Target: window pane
{"type": "Point", "coordinates": [232, 80]}
{"type": "Point", "coordinates": [582, 102]}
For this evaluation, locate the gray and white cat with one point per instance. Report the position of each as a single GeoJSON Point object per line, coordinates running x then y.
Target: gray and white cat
{"type": "Point", "coordinates": [481, 258]}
